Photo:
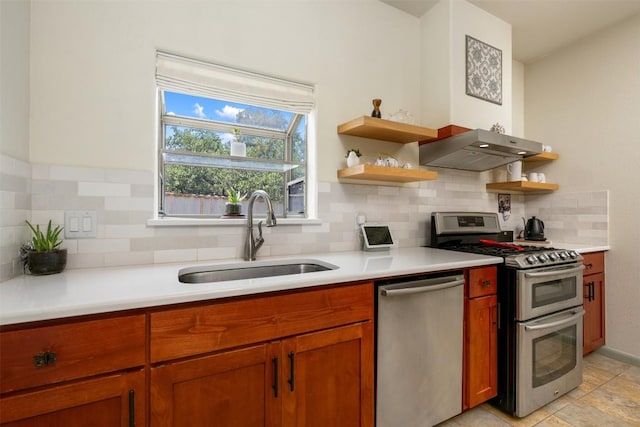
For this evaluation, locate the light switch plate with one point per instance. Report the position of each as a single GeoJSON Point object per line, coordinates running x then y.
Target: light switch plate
{"type": "Point", "coordinates": [80, 224]}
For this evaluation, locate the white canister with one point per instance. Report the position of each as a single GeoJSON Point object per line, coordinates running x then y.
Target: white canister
{"type": "Point", "coordinates": [238, 149]}
{"type": "Point", "coordinates": [514, 171]}
{"type": "Point", "coordinates": [541, 177]}
{"type": "Point", "coordinates": [500, 174]}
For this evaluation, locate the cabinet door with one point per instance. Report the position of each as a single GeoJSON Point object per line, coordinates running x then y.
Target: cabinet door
{"type": "Point", "coordinates": [328, 378]}
{"type": "Point", "coordinates": [115, 400]}
{"type": "Point", "coordinates": [481, 355]}
{"type": "Point", "coordinates": [234, 388]}
{"type": "Point", "coordinates": [594, 325]}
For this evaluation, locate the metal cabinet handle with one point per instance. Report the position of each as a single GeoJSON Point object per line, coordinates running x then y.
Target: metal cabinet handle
{"type": "Point", "coordinates": [45, 358]}
{"type": "Point", "coordinates": [291, 379]}
{"type": "Point", "coordinates": [132, 408]}
{"type": "Point", "coordinates": [274, 386]}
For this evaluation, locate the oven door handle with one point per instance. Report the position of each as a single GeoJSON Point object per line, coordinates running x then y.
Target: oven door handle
{"type": "Point", "coordinates": [576, 314]}
{"type": "Point", "coordinates": [419, 289]}
{"type": "Point", "coordinates": [554, 272]}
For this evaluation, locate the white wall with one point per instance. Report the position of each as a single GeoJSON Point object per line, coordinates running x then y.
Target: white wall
{"type": "Point", "coordinates": [585, 102]}
{"type": "Point", "coordinates": [93, 90]}
{"type": "Point", "coordinates": [443, 47]}
{"type": "Point", "coordinates": [14, 78]}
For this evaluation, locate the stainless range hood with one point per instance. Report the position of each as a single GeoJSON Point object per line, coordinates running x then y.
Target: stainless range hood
{"type": "Point", "coordinates": [477, 150]}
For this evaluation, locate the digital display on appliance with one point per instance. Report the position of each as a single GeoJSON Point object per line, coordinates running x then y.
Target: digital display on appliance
{"type": "Point", "coordinates": [376, 236]}
{"type": "Point", "coordinates": [471, 221]}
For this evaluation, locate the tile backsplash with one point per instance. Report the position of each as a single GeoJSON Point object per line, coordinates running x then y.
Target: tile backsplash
{"type": "Point", "coordinates": [124, 201]}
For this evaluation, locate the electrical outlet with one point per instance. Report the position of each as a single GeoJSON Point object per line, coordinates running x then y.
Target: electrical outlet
{"type": "Point", "coordinates": [360, 219]}
{"type": "Point", "coordinates": [80, 224]}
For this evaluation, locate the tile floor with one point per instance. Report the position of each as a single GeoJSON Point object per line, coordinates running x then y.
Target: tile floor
{"type": "Point", "coordinates": [609, 396]}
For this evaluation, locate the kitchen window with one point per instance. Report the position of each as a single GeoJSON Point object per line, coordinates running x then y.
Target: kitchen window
{"type": "Point", "coordinates": [225, 130]}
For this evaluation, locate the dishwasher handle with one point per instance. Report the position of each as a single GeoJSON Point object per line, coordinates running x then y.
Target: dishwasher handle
{"type": "Point", "coordinates": [420, 286]}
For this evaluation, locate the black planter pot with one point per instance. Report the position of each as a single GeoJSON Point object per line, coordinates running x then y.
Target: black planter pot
{"type": "Point", "coordinates": [41, 263]}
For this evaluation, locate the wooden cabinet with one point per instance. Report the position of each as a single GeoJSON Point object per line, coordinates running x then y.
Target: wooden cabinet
{"type": "Point", "coordinates": [295, 359]}
{"type": "Point", "coordinates": [480, 375]}
{"type": "Point", "coordinates": [594, 300]}
{"type": "Point", "coordinates": [74, 374]}
{"type": "Point", "coordinates": [386, 130]}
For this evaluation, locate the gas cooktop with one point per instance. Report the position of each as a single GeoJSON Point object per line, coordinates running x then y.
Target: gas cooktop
{"type": "Point", "coordinates": [479, 233]}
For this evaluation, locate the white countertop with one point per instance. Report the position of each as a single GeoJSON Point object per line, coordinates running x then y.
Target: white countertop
{"type": "Point", "coordinates": [90, 291]}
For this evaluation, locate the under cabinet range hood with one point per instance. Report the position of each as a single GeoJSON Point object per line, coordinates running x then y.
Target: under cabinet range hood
{"type": "Point", "coordinates": [477, 150]}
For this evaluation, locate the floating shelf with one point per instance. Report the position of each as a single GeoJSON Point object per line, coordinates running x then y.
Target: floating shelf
{"type": "Point", "coordinates": [383, 173]}
{"type": "Point", "coordinates": [386, 130]}
{"type": "Point", "coordinates": [522, 186]}
{"type": "Point", "coordinates": [545, 156]}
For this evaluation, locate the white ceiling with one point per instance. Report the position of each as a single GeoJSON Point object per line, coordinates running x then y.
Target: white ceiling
{"type": "Point", "coordinates": [540, 27]}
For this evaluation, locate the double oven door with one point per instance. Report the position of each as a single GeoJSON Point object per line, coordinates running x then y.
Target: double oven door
{"type": "Point", "coordinates": [543, 336]}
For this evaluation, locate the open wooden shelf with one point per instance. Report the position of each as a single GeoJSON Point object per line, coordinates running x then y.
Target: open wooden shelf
{"type": "Point", "coordinates": [522, 186]}
{"type": "Point", "coordinates": [545, 156]}
{"type": "Point", "coordinates": [383, 173]}
{"type": "Point", "coordinates": [386, 130]}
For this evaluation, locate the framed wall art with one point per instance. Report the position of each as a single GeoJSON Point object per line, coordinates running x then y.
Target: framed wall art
{"type": "Point", "coordinates": [484, 71]}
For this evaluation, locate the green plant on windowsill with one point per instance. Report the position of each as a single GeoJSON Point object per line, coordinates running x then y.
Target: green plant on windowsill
{"type": "Point", "coordinates": [233, 207]}
{"type": "Point", "coordinates": [42, 255]}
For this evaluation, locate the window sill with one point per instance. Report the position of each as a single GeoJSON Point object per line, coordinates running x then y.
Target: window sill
{"type": "Point", "coordinates": [218, 222]}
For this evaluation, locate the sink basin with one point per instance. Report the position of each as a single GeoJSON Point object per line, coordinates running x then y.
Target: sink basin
{"type": "Point", "coordinates": [251, 270]}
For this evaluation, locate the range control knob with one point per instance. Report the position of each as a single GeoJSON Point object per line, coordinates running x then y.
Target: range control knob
{"type": "Point", "coordinates": [531, 259]}
{"type": "Point", "coordinates": [573, 254]}
{"type": "Point", "coordinates": [563, 255]}
{"type": "Point", "coordinates": [553, 256]}
{"type": "Point", "coordinates": [542, 258]}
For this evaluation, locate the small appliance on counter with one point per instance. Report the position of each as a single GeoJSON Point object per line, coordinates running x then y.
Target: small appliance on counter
{"type": "Point", "coordinates": [534, 229]}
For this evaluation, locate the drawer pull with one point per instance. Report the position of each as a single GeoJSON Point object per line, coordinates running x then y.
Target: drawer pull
{"type": "Point", "coordinates": [46, 358]}
{"type": "Point", "coordinates": [486, 283]}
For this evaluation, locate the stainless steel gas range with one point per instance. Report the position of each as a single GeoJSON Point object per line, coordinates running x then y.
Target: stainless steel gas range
{"type": "Point", "coordinates": [539, 309]}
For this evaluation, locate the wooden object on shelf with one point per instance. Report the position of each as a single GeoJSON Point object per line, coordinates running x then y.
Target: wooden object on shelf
{"type": "Point", "coordinates": [545, 156]}
{"type": "Point", "coordinates": [446, 132]}
{"type": "Point", "coordinates": [522, 186]}
{"type": "Point", "coordinates": [386, 130]}
{"type": "Point", "coordinates": [383, 173]}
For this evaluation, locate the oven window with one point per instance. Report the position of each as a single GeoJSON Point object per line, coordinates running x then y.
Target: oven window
{"type": "Point", "coordinates": [546, 293]}
{"type": "Point", "coordinates": [554, 355]}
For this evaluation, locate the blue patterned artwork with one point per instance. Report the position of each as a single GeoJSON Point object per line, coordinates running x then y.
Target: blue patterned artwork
{"type": "Point", "coordinates": [484, 71]}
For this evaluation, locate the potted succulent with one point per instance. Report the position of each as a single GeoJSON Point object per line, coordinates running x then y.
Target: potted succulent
{"type": "Point", "coordinates": [233, 207]}
{"type": "Point", "coordinates": [42, 255]}
{"type": "Point", "coordinates": [353, 157]}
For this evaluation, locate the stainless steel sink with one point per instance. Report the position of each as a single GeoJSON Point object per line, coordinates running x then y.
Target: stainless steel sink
{"type": "Point", "coordinates": [251, 270]}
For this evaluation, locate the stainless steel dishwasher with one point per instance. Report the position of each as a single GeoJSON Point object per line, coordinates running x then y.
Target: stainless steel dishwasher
{"type": "Point", "coordinates": [419, 350]}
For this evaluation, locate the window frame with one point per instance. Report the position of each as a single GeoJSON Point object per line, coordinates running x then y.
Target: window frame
{"type": "Point", "coordinates": [287, 136]}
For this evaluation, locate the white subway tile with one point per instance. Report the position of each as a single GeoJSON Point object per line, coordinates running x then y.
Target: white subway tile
{"type": "Point", "coordinates": [175, 255]}
{"type": "Point", "coordinates": [74, 173]}
{"type": "Point", "coordinates": [129, 204]}
{"type": "Point", "coordinates": [103, 245]}
{"type": "Point", "coordinates": [104, 189]}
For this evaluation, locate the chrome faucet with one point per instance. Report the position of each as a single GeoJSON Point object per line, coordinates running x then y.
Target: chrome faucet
{"type": "Point", "coordinates": [252, 245]}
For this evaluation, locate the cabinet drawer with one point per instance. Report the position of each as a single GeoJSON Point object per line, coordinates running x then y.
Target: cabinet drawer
{"type": "Point", "coordinates": [593, 262]}
{"type": "Point", "coordinates": [50, 354]}
{"type": "Point", "coordinates": [482, 281]}
{"type": "Point", "coordinates": [195, 330]}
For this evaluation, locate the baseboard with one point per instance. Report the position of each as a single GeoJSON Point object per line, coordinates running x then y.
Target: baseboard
{"type": "Point", "coordinates": [619, 355]}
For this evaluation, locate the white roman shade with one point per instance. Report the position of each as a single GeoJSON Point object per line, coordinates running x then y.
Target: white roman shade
{"type": "Point", "coordinates": [184, 75]}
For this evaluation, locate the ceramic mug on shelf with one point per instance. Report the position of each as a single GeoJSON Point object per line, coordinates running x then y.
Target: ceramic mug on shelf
{"type": "Point", "coordinates": [541, 177]}
{"type": "Point", "coordinates": [514, 170]}
{"type": "Point", "coordinates": [534, 177]}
